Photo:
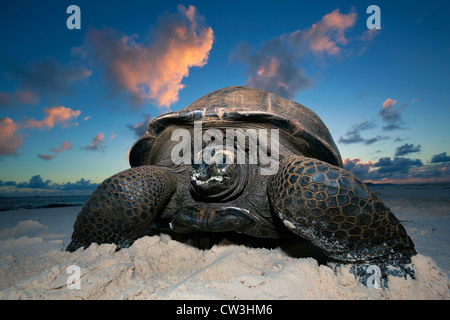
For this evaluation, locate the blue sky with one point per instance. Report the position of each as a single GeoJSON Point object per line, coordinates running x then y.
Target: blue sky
{"type": "Point", "coordinates": [72, 101]}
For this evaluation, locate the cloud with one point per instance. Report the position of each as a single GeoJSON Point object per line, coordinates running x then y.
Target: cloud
{"type": "Point", "coordinates": [441, 157]}
{"type": "Point", "coordinates": [153, 71]}
{"type": "Point", "coordinates": [276, 65]}
{"type": "Point", "coordinates": [389, 103]}
{"type": "Point", "coordinates": [98, 142]}
{"type": "Point", "coordinates": [388, 167]}
{"type": "Point", "coordinates": [64, 146]}
{"type": "Point", "coordinates": [9, 99]}
{"type": "Point", "coordinates": [7, 183]}
{"type": "Point", "coordinates": [363, 96]}
{"type": "Point", "coordinates": [46, 156]}
{"type": "Point", "coordinates": [357, 167]}
{"type": "Point", "coordinates": [375, 139]}
{"type": "Point", "coordinates": [81, 184]}
{"type": "Point", "coordinates": [45, 77]}
{"type": "Point", "coordinates": [10, 140]}
{"type": "Point", "coordinates": [383, 169]}
{"type": "Point", "coordinates": [391, 115]}
{"type": "Point", "coordinates": [140, 128]}
{"type": "Point", "coordinates": [353, 135]}
{"type": "Point", "coordinates": [326, 35]}
{"type": "Point", "coordinates": [398, 170]}
{"type": "Point", "coordinates": [56, 115]}
{"type": "Point", "coordinates": [37, 182]}
{"type": "Point", "coordinates": [406, 149]}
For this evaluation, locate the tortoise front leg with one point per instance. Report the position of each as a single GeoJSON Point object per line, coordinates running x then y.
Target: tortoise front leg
{"type": "Point", "coordinates": [337, 212]}
{"type": "Point", "coordinates": [123, 206]}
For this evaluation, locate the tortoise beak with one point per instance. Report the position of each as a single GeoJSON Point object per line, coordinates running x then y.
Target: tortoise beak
{"type": "Point", "coordinates": [212, 181]}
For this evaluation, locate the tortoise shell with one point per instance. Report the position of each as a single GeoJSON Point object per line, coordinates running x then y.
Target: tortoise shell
{"type": "Point", "coordinates": [250, 105]}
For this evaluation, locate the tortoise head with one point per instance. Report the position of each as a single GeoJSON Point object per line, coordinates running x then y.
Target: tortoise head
{"type": "Point", "coordinates": [216, 176]}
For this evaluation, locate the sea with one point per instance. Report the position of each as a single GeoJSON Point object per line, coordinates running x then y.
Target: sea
{"type": "Point", "coordinates": [15, 203]}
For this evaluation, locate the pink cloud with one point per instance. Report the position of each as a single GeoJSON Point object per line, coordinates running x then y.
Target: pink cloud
{"type": "Point", "coordinates": [329, 32]}
{"type": "Point", "coordinates": [98, 142]}
{"type": "Point", "coordinates": [388, 103]}
{"type": "Point", "coordinates": [392, 115]}
{"type": "Point", "coordinates": [56, 115]}
{"type": "Point", "coordinates": [66, 145]}
{"type": "Point", "coordinates": [153, 71]}
{"type": "Point", "coordinates": [277, 65]}
{"type": "Point", "coordinates": [10, 141]}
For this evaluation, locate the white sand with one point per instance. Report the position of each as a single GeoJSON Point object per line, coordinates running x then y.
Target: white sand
{"type": "Point", "coordinates": [33, 263]}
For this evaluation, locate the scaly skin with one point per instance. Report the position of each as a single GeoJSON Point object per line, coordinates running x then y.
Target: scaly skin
{"type": "Point", "coordinates": [123, 206]}
{"type": "Point", "coordinates": [336, 211]}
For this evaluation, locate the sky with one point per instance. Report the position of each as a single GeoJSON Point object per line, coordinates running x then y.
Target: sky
{"type": "Point", "coordinates": [73, 101]}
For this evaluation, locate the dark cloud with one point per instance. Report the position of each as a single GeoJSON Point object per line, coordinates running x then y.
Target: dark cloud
{"type": "Point", "coordinates": [81, 184]}
{"type": "Point", "coordinates": [370, 141]}
{"type": "Point", "coordinates": [441, 157]}
{"type": "Point", "coordinates": [46, 156]}
{"type": "Point", "coordinates": [358, 168]}
{"type": "Point", "coordinates": [384, 168]}
{"type": "Point", "coordinates": [398, 139]}
{"type": "Point", "coordinates": [406, 149]}
{"type": "Point", "coordinates": [64, 146]}
{"type": "Point", "coordinates": [391, 115]}
{"type": "Point", "coordinates": [140, 128]}
{"type": "Point", "coordinates": [10, 99]}
{"type": "Point", "coordinates": [44, 77]}
{"type": "Point", "coordinates": [36, 182]}
{"type": "Point", "coordinates": [276, 72]}
{"type": "Point", "coordinates": [98, 142]}
{"type": "Point", "coordinates": [276, 66]}
{"type": "Point", "coordinates": [353, 135]}
{"type": "Point", "coordinates": [363, 96]}
{"type": "Point", "coordinates": [7, 183]}
{"type": "Point", "coordinates": [398, 165]}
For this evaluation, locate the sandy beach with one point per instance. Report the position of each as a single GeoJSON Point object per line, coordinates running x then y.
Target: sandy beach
{"type": "Point", "coordinates": [35, 265]}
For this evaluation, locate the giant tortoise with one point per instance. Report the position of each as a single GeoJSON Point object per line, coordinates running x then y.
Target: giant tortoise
{"type": "Point", "coordinates": [245, 160]}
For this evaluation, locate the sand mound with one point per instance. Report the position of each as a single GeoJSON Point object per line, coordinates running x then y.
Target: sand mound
{"type": "Point", "coordinates": [160, 268]}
